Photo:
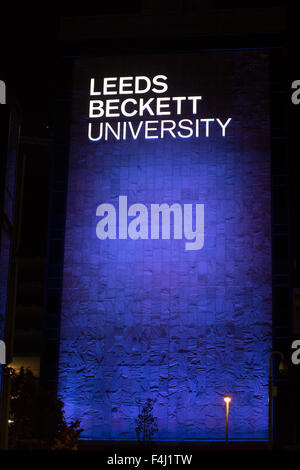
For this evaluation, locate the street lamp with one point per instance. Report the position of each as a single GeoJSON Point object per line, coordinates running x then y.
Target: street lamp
{"type": "Point", "coordinates": [273, 390]}
{"type": "Point", "coordinates": [227, 400]}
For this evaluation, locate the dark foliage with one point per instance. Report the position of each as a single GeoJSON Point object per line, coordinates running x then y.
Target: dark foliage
{"type": "Point", "coordinates": [146, 423]}
{"type": "Point", "coordinates": [36, 416]}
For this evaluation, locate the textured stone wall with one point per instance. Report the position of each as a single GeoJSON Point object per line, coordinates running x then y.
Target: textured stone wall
{"type": "Point", "coordinates": [146, 318]}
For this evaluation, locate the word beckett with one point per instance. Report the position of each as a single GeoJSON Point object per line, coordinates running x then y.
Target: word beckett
{"type": "Point", "coordinates": [159, 216]}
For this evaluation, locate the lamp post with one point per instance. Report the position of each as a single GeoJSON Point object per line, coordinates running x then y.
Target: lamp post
{"type": "Point", "coordinates": [273, 390]}
{"type": "Point", "coordinates": [227, 400]}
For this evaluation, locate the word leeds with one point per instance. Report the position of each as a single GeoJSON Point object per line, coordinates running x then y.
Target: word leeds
{"type": "Point", "coordinates": [113, 225]}
{"type": "Point", "coordinates": [102, 106]}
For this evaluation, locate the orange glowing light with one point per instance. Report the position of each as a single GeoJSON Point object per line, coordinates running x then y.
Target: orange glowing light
{"type": "Point", "coordinates": [227, 399]}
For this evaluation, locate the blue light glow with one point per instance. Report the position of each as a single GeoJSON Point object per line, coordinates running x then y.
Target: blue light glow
{"type": "Point", "coordinates": [147, 318]}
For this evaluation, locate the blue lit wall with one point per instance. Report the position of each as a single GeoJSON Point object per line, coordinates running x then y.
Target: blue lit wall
{"type": "Point", "coordinates": [146, 318]}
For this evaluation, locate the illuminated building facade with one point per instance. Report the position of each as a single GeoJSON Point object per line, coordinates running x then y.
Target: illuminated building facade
{"type": "Point", "coordinates": [160, 275]}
